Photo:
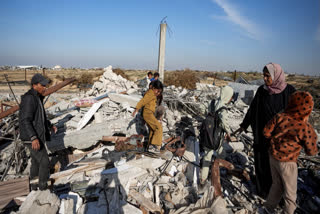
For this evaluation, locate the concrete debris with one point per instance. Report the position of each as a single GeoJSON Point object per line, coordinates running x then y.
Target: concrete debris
{"type": "Point", "coordinates": [246, 92]}
{"type": "Point", "coordinates": [101, 166]}
{"type": "Point", "coordinates": [39, 202]}
{"type": "Point", "coordinates": [111, 82]}
{"type": "Point", "coordinates": [125, 99]}
{"type": "Point", "coordinates": [70, 203]}
{"type": "Point", "coordinates": [85, 119]}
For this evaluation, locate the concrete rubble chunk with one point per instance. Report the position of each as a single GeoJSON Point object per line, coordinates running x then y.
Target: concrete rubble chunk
{"type": "Point", "coordinates": [70, 203]}
{"type": "Point", "coordinates": [89, 114]}
{"type": "Point", "coordinates": [89, 136]}
{"type": "Point", "coordinates": [39, 202]}
{"type": "Point", "coordinates": [192, 155]}
{"type": "Point", "coordinates": [111, 82]}
{"type": "Point", "coordinates": [246, 92]}
{"type": "Point", "coordinates": [122, 98]}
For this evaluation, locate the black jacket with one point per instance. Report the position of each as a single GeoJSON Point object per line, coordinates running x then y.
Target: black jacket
{"type": "Point", "coordinates": [262, 109]}
{"type": "Point", "coordinates": [33, 121]}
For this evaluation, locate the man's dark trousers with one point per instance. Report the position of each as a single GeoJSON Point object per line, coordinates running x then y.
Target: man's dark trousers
{"type": "Point", "coordinates": [39, 165]}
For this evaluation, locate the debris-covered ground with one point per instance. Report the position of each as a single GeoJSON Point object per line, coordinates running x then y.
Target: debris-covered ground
{"type": "Point", "coordinates": [98, 164]}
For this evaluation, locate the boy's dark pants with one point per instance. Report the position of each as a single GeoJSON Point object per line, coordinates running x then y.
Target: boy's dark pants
{"type": "Point", "coordinates": [39, 165]}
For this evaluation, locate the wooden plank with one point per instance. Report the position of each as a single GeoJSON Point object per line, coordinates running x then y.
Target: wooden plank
{"type": "Point", "coordinates": [71, 172]}
{"type": "Point", "coordinates": [11, 189]}
{"type": "Point", "coordinates": [145, 203]}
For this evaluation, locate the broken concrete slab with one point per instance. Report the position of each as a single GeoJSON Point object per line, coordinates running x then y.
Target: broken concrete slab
{"type": "Point", "coordinates": [129, 209]}
{"type": "Point", "coordinates": [70, 203]}
{"type": "Point", "coordinates": [147, 204]}
{"type": "Point", "coordinates": [246, 92]}
{"type": "Point", "coordinates": [132, 100]}
{"type": "Point", "coordinates": [89, 114]}
{"type": "Point", "coordinates": [89, 136]}
{"type": "Point", "coordinates": [111, 82]}
{"type": "Point", "coordinates": [39, 202]}
{"type": "Point", "coordinates": [192, 155]}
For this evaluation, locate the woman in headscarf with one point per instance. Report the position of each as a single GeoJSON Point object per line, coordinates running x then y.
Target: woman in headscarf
{"type": "Point", "coordinates": [218, 108]}
{"type": "Point", "coordinates": [270, 99]}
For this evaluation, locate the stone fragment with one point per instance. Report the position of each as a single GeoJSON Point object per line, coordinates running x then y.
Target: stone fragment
{"type": "Point", "coordinates": [122, 98]}
{"type": "Point", "coordinates": [39, 202]}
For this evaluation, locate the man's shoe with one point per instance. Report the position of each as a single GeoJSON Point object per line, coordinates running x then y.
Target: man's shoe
{"type": "Point", "coordinates": [43, 186]}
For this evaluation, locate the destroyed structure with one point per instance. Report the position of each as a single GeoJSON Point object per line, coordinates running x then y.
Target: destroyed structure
{"type": "Point", "coordinates": [99, 165]}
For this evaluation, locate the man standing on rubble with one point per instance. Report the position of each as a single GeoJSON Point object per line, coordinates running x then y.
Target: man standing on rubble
{"type": "Point", "coordinates": [34, 129]}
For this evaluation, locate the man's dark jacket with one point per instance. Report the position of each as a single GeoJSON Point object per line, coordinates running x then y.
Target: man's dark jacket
{"type": "Point", "coordinates": [33, 121]}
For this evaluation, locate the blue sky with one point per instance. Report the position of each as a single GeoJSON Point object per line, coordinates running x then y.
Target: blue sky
{"type": "Point", "coordinates": [206, 34]}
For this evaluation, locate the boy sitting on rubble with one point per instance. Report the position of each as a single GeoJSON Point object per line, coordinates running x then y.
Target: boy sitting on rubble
{"type": "Point", "coordinates": [148, 102]}
{"type": "Point", "coordinates": [220, 130]}
{"type": "Point", "coordinates": [288, 133]}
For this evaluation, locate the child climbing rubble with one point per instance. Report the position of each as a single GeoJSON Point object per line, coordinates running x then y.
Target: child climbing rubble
{"type": "Point", "coordinates": [288, 133]}
{"type": "Point", "coordinates": [148, 103]}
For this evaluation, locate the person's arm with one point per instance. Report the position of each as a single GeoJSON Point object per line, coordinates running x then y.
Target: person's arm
{"type": "Point", "coordinates": [268, 129]}
{"type": "Point", "coordinates": [225, 126]}
{"type": "Point", "coordinates": [27, 111]}
{"type": "Point", "coordinates": [251, 111]}
{"type": "Point", "coordinates": [223, 121]}
{"type": "Point", "coordinates": [310, 141]}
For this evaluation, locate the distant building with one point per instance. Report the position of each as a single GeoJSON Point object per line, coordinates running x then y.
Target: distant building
{"type": "Point", "coordinates": [36, 67]}
{"type": "Point", "coordinates": [57, 67]}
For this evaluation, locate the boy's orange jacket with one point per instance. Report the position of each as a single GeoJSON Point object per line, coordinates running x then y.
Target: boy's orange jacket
{"type": "Point", "coordinates": [148, 101]}
{"type": "Point", "coordinates": [290, 131]}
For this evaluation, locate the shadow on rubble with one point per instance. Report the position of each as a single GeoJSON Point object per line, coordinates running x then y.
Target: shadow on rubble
{"type": "Point", "coordinates": [141, 127]}
{"type": "Point", "coordinates": [99, 192]}
{"type": "Point", "coordinates": [108, 196]}
{"type": "Point", "coordinates": [139, 123]}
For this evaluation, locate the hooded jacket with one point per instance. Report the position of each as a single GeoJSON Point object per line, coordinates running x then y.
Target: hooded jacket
{"type": "Point", "coordinates": [33, 121]}
{"type": "Point", "coordinates": [219, 105]}
{"type": "Point", "coordinates": [290, 131]}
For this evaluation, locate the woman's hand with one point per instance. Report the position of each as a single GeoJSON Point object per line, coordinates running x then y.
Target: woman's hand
{"type": "Point", "coordinates": [54, 129]}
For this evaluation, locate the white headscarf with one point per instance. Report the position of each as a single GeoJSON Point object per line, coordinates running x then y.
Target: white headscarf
{"type": "Point", "coordinates": [226, 94]}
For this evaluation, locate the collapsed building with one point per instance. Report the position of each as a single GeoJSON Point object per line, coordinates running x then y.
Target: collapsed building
{"type": "Point", "coordinates": [98, 164]}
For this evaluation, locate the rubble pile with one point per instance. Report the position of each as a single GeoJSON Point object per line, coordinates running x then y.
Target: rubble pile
{"type": "Point", "coordinates": [111, 82]}
{"type": "Point", "coordinates": [99, 165]}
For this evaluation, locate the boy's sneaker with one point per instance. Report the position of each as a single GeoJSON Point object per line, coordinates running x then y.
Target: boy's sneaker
{"type": "Point", "coordinates": [154, 148]}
